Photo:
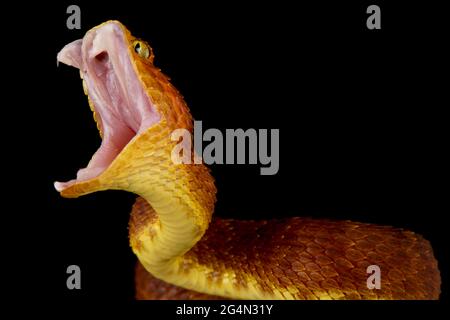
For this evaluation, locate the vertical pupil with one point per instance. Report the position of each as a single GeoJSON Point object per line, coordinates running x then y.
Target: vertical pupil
{"type": "Point", "coordinates": [137, 47]}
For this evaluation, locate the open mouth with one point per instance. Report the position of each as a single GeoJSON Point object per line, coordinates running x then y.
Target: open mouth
{"type": "Point", "coordinates": [122, 108]}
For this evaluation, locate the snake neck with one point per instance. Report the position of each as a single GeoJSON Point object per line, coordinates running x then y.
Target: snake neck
{"type": "Point", "coordinates": [175, 205]}
{"type": "Point", "coordinates": [169, 223]}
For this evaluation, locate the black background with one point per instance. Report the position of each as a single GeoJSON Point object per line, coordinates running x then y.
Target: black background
{"type": "Point", "coordinates": [359, 113]}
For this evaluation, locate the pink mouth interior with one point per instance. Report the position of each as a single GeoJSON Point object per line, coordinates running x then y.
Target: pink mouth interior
{"type": "Point", "coordinates": [122, 107]}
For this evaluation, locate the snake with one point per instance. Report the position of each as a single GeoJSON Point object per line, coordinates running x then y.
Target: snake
{"type": "Point", "coordinates": [184, 252]}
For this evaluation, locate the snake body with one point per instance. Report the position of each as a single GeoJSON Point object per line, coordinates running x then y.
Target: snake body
{"type": "Point", "coordinates": [183, 252]}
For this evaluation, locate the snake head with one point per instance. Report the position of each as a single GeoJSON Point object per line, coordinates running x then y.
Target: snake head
{"type": "Point", "coordinates": [128, 96]}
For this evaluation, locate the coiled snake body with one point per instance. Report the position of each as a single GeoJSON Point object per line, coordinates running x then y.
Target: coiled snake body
{"type": "Point", "coordinates": [183, 252]}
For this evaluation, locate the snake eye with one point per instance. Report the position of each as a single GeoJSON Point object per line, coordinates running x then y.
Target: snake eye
{"type": "Point", "coordinates": [142, 49]}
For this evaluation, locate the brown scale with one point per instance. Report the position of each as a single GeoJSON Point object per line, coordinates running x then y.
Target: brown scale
{"type": "Point", "coordinates": [306, 257]}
